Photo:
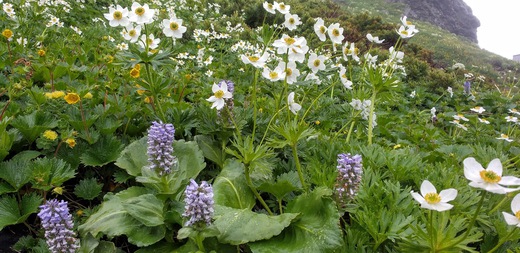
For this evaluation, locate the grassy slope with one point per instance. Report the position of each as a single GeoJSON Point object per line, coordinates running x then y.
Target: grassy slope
{"type": "Point", "coordinates": [448, 48]}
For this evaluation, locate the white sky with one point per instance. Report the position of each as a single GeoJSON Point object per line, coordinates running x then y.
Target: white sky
{"type": "Point", "coordinates": [499, 25]}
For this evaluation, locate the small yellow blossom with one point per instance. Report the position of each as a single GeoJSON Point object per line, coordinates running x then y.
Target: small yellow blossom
{"type": "Point", "coordinates": [71, 142]}
{"type": "Point", "coordinates": [147, 100]}
{"type": "Point", "coordinates": [58, 190]}
{"type": "Point", "coordinates": [87, 96]}
{"type": "Point", "coordinates": [397, 146]}
{"type": "Point", "coordinates": [54, 94]}
{"type": "Point", "coordinates": [51, 135]}
{"type": "Point", "coordinates": [79, 212]}
{"type": "Point", "coordinates": [8, 34]}
{"type": "Point", "coordinates": [141, 92]}
{"type": "Point", "coordinates": [317, 122]}
{"type": "Point", "coordinates": [72, 98]}
{"type": "Point", "coordinates": [135, 72]}
{"type": "Point", "coordinates": [188, 77]}
{"type": "Point", "coordinates": [41, 53]}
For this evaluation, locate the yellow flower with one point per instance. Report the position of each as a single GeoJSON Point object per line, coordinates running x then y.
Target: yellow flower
{"type": "Point", "coordinates": [88, 95]}
{"type": "Point", "coordinates": [147, 100]}
{"type": "Point", "coordinates": [110, 58]}
{"type": "Point", "coordinates": [41, 53]}
{"type": "Point", "coordinates": [8, 34]}
{"type": "Point", "coordinates": [79, 212]}
{"type": "Point", "coordinates": [71, 142]}
{"type": "Point", "coordinates": [48, 95]}
{"type": "Point", "coordinates": [71, 98]}
{"type": "Point", "coordinates": [397, 146]}
{"type": "Point", "coordinates": [137, 66]}
{"type": "Point", "coordinates": [188, 77]}
{"type": "Point", "coordinates": [58, 190]}
{"type": "Point", "coordinates": [141, 92]}
{"type": "Point", "coordinates": [51, 135]}
{"type": "Point", "coordinates": [54, 94]}
{"type": "Point", "coordinates": [317, 122]}
{"type": "Point", "coordinates": [135, 72]}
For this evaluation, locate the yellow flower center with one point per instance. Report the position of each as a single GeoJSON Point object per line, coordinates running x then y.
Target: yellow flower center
{"type": "Point", "coordinates": [118, 15]}
{"type": "Point", "coordinates": [404, 32]}
{"type": "Point", "coordinates": [288, 71]}
{"type": "Point", "coordinates": [139, 11]}
{"type": "Point", "coordinates": [149, 41]}
{"type": "Point", "coordinates": [317, 63]}
{"type": "Point", "coordinates": [174, 26]}
{"type": "Point", "coordinates": [408, 22]}
{"type": "Point", "coordinates": [273, 75]}
{"type": "Point", "coordinates": [132, 33]}
{"type": "Point", "coordinates": [270, 6]}
{"type": "Point", "coordinates": [219, 94]}
{"type": "Point", "coordinates": [490, 176]}
{"type": "Point", "coordinates": [291, 21]}
{"type": "Point", "coordinates": [322, 29]}
{"type": "Point", "coordinates": [335, 32]}
{"type": "Point", "coordinates": [517, 214]}
{"type": "Point", "coordinates": [432, 198]}
{"type": "Point", "coordinates": [282, 6]}
{"type": "Point", "coordinates": [289, 40]}
{"type": "Point", "coordinates": [253, 58]}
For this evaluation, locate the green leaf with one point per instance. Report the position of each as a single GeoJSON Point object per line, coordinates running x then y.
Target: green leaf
{"type": "Point", "coordinates": [88, 244]}
{"type": "Point", "coordinates": [9, 213]}
{"type": "Point", "coordinates": [88, 189]}
{"type": "Point", "coordinates": [6, 140]}
{"type": "Point", "coordinates": [316, 229]}
{"type": "Point", "coordinates": [104, 151]}
{"type": "Point", "coordinates": [112, 219]}
{"type": "Point", "coordinates": [284, 185]}
{"type": "Point", "coordinates": [29, 205]}
{"type": "Point", "coordinates": [134, 157]}
{"type": "Point", "coordinates": [6, 188]}
{"type": "Point", "coordinates": [239, 226]}
{"type": "Point", "coordinates": [230, 188]}
{"type": "Point", "coordinates": [34, 124]}
{"type": "Point", "coordinates": [147, 209]}
{"type": "Point", "coordinates": [50, 172]}
{"type": "Point", "coordinates": [16, 172]}
{"type": "Point", "coordinates": [211, 149]}
{"type": "Point", "coordinates": [106, 247]}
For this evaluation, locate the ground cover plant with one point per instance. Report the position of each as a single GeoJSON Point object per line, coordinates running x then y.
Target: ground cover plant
{"type": "Point", "coordinates": [188, 127]}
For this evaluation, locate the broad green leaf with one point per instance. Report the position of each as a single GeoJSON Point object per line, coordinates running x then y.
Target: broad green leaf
{"type": "Point", "coordinates": [9, 213]}
{"type": "Point", "coordinates": [16, 172]}
{"type": "Point", "coordinates": [316, 229]}
{"type": "Point", "coordinates": [6, 140]}
{"type": "Point", "coordinates": [283, 185]}
{"type": "Point", "coordinates": [104, 151]}
{"type": "Point", "coordinates": [147, 208]}
{"type": "Point", "coordinates": [134, 157]}
{"type": "Point", "coordinates": [239, 226]}
{"type": "Point", "coordinates": [211, 149]}
{"type": "Point", "coordinates": [165, 247]}
{"type": "Point", "coordinates": [6, 188]}
{"type": "Point", "coordinates": [34, 124]}
{"type": "Point", "coordinates": [88, 244]}
{"type": "Point", "coordinates": [29, 205]}
{"type": "Point", "coordinates": [106, 247]}
{"type": "Point", "coordinates": [50, 172]}
{"type": "Point", "coordinates": [88, 189]}
{"type": "Point", "coordinates": [112, 219]}
{"type": "Point", "coordinates": [191, 160]}
{"type": "Point", "coordinates": [230, 188]}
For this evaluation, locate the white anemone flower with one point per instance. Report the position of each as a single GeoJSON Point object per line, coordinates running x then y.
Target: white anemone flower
{"type": "Point", "coordinates": [298, 52]}
{"type": "Point", "coordinates": [274, 75]}
{"type": "Point", "coordinates": [335, 33]}
{"type": "Point", "coordinates": [320, 29]}
{"type": "Point", "coordinates": [489, 179]}
{"type": "Point", "coordinates": [269, 7]}
{"type": "Point", "coordinates": [173, 28]}
{"type": "Point", "coordinates": [515, 207]}
{"type": "Point", "coordinates": [293, 106]}
{"type": "Point", "coordinates": [256, 60]}
{"type": "Point", "coordinates": [150, 40]}
{"type": "Point", "coordinates": [132, 33]}
{"type": "Point", "coordinates": [292, 21]}
{"type": "Point", "coordinates": [407, 32]}
{"type": "Point", "coordinates": [117, 16]}
{"type": "Point", "coordinates": [316, 62]}
{"type": "Point", "coordinates": [485, 121]}
{"type": "Point", "coordinates": [478, 109]}
{"type": "Point", "coordinates": [282, 8]}
{"type": "Point", "coordinates": [141, 14]}
{"type": "Point", "coordinates": [219, 94]}
{"type": "Point", "coordinates": [353, 51]}
{"type": "Point", "coordinates": [374, 39]}
{"type": "Point", "coordinates": [343, 77]}
{"type": "Point", "coordinates": [430, 199]}
{"type": "Point", "coordinates": [505, 137]}
{"type": "Point", "coordinates": [291, 71]}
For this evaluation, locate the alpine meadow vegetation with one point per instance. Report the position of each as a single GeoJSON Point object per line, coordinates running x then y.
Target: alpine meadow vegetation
{"type": "Point", "coordinates": [247, 126]}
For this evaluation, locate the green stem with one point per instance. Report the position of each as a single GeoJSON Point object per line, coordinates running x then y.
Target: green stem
{"type": "Point", "coordinates": [280, 206]}
{"type": "Point", "coordinates": [298, 166]}
{"type": "Point", "coordinates": [253, 97]}
{"type": "Point", "coordinates": [255, 192]}
{"type": "Point", "coordinates": [371, 117]}
{"type": "Point", "coordinates": [199, 239]}
{"type": "Point", "coordinates": [502, 241]}
{"type": "Point", "coordinates": [498, 205]}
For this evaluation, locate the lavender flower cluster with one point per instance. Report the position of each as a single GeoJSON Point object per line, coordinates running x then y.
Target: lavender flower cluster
{"type": "Point", "coordinates": [350, 170]}
{"type": "Point", "coordinates": [57, 223]}
{"type": "Point", "coordinates": [160, 149]}
{"type": "Point", "coordinates": [199, 203]}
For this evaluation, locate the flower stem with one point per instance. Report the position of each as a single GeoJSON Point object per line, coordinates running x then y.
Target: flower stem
{"type": "Point", "coordinates": [298, 166]}
{"type": "Point", "coordinates": [255, 192]}
{"type": "Point", "coordinates": [502, 241]}
{"type": "Point", "coordinates": [371, 117]}
{"type": "Point", "coordinates": [498, 205]}
{"type": "Point", "coordinates": [199, 239]}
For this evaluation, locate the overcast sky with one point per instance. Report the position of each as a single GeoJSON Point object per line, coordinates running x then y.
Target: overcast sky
{"type": "Point", "coordinates": [499, 25]}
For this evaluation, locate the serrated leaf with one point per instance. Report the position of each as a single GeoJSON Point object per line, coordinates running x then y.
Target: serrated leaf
{"type": "Point", "coordinates": [211, 149]}
{"type": "Point", "coordinates": [104, 151]}
{"type": "Point", "coordinates": [134, 157]}
{"type": "Point", "coordinates": [9, 213]}
{"type": "Point", "coordinates": [6, 188]}
{"type": "Point", "coordinates": [16, 172]}
{"type": "Point", "coordinates": [121, 177]}
{"type": "Point", "coordinates": [112, 219]}
{"type": "Point", "coordinates": [29, 205]}
{"type": "Point", "coordinates": [280, 188]}
{"type": "Point", "coordinates": [239, 226]}
{"type": "Point", "coordinates": [230, 187]}
{"type": "Point", "coordinates": [88, 189]}
{"type": "Point", "coordinates": [50, 172]}
{"type": "Point", "coordinates": [316, 229]}
{"type": "Point", "coordinates": [34, 124]}
{"type": "Point", "coordinates": [146, 208]}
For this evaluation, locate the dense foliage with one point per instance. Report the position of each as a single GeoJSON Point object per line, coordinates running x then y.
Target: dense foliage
{"type": "Point", "coordinates": [203, 126]}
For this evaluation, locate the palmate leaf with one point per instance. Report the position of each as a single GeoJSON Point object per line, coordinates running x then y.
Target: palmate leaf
{"type": "Point", "coordinates": [284, 184]}
{"type": "Point", "coordinates": [112, 219]}
{"type": "Point", "coordinates": [88, 189]}
{"type": "Point", "coordinates": [134, 157]}
{"type": "Point", "coordinates": [230, 188]}
{"type": "Point", "coordinates": [316, 229]}
{"type": "Point", "coordinates": [16, 172]}
{"type": "Point", "coordinates": [48, 173]}
{"type": "Point", "coordinates": [239, 226]}
{"type": "Point", "coordinates": [104, 151]}
{"type": "Point", "coordinates": [13, 213]}
{"type": "Point", "coordinates": [32, 125]}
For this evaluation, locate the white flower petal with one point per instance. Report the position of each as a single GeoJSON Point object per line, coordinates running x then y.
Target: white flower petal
{"type": "Point", "coordinates": [511, 219]}
{"type": "Point", "coordinates": [212, 99]}
{"type": "Point", "coordinates": [441, 207]}
{"type": "Point", "coordinates": [515, 204]}
{"type": "Point", "coordinates": [472, 169]}
{"type": "Point", "coordinates": [418, 197]}
{"type": "Point", "coordinates": [509, 180]}
{"type": "Point", "coordinates": [427, 187]}
{"type": "Point", "coordinates": [495, 166]}
{"type": "Point", "coordinates": [448, 195]}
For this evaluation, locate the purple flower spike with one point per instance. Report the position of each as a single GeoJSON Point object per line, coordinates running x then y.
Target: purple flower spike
{"type": "Point", "coordinates": [350, 170]}
{"type": "Point", "coordinates": [160, 149]}
{"type": "Point", "coordinates": [57, 222]}
{"type": "Point", "coordinates": [199, 203]}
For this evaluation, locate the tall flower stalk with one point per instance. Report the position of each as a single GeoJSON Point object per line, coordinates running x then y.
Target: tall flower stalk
{"type": "Point", "coordinates": [160, 149]}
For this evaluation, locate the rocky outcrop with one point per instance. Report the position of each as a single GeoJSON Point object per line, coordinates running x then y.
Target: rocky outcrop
{"type": "Point", "coordinates": [453, 15]}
